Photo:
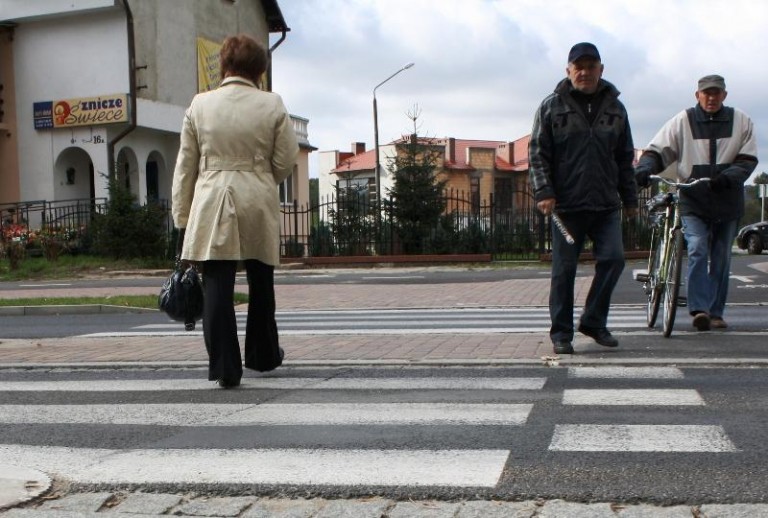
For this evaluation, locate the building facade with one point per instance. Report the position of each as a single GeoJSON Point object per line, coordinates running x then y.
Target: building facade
{"type": "Point", "coordinates": [90, 86]}
{"type": "Point", "coordinates": [479, 169]}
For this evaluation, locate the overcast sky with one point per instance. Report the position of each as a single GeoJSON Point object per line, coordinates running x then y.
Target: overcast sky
{"type": "Point", "coordinates": [483, 66]}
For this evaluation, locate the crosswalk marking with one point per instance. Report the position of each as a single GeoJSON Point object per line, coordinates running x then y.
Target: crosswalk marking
{"type": "Point", "coordinates": [200, 414]}
{"type": "Point", "coordinates": [641, 438]}
{"type": "Point", "coordinates": [431, 443]}
{"type": "Point", "coordinates": [400, 321]}
{"type": "Point", "coordinates": [665, 397]}
{"type": "Point", "coordinates": [452, 468]}
{"type": "Point", "coordinates": [153, 385]}
{"type": "Point", "coordinates": [608, 372]}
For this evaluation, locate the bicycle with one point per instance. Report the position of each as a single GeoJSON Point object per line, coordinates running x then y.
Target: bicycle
{"type": "Point", "coordinates": [662, 280]}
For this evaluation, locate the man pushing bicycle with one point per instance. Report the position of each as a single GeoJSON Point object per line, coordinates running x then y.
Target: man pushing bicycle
{"type": "Point", "coordinates": [712, 141]}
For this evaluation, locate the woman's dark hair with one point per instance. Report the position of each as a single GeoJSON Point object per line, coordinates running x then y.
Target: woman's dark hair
{"type": "Point", "coordinates": [243, 56]}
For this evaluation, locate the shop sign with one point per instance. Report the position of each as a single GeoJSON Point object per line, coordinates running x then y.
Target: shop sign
{"type": "Point", "coordinates": [84, 111]}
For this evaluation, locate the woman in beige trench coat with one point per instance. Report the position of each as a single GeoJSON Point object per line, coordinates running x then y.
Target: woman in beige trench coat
{"type": "Point", "coordinates": [237, 146]}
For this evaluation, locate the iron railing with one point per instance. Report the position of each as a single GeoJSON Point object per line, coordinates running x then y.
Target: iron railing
{"type": "Point", "coordinates": [353, 225]}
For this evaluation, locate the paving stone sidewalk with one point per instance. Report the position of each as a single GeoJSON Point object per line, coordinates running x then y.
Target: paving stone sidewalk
{"type": "Point", "coordinates": [317, 348]}
{"type": "Point", "coordinates": [150, 504]}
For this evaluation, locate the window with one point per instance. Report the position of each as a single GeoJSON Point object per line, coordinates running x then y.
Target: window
{"type": "Point", "coordinates": [286, 189]}
{"type": "Point", "coordinates": [474, 187]}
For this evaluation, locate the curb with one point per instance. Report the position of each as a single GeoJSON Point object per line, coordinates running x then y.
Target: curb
{"type": "Point", "coordinates": [547, 361]}
{"type": "Point", "coordinates": [67, 309]}
{"type": "Point", "coordinates": [19, 485]}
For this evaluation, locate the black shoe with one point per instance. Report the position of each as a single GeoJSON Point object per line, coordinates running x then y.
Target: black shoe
{"type": "Point", "coordinates": [282, 354]}
{"type": "Point", "coordinates": [600, 335]}
{"type": "Point", "coordinates": [227, 383]}
{"type": "Point", "coordinates": [563, 347]}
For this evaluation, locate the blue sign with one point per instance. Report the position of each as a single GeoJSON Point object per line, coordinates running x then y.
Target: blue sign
{"type": "Point", "coordinates": [43, 115]}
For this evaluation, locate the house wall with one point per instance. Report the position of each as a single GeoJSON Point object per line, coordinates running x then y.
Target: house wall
{"type": "Point", "coordinates": [9, 158]}
{"type": "Point", "coordinates": [79, 48]}
{"type": "Point", "coordinates": [326, 162]}
{"type": "Point", "coordinates": [62, 58]}
{"type": "Point", "coordinates": [484, 161]}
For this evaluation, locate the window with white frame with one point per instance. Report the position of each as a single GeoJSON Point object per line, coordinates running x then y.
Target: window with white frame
{"type": "Point", "coordinates": [286, 189]}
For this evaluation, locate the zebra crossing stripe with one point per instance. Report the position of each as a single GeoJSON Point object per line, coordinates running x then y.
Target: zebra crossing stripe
{"type": "Point", "coordinates": [153, 385]}
{"type": "Point", "coordinates": [452, 468]}
{"type": "Point", "coordinates": [641, 438]}
{"type": "Point", "coordinates": [608, 372]}
{"type": "Point", "coordinates": [661, 397]}
{"type": "Point", "coordinates": [465, 321]}
{"type": "Point", "coordinates": [452, 414]}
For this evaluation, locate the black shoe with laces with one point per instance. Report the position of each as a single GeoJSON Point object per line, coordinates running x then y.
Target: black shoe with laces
{"type": "Point", "coordinates": [562, 347]}
{"type": "Point", "coordinates": [600, 335]}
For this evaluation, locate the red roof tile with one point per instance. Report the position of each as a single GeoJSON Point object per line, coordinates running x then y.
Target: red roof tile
{"type": "Point", "coordinates": [362, 162]}
{"type": "Point", "coordinates": [367, 160]}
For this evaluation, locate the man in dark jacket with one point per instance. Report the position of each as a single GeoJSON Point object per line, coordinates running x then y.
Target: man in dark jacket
{"type": "Point", "coordinates": [581, 155]}
{"type": "Point", "coordinates": [713, 141]}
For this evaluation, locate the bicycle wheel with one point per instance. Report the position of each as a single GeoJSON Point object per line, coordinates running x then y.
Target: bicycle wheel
{"type": "Point", "coordinates": [653, 286]}
{"type": "Point", "coordinates": [672, 285]}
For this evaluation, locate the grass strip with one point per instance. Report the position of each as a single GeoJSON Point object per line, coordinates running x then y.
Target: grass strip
{"type": "Point", "coordinates": [130, 301]}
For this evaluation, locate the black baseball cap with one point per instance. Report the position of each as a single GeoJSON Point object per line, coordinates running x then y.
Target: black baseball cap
{"type": "Point", "coordinates": [583, 49]}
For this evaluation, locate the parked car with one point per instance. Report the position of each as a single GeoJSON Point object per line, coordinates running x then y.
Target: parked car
{"type": "Point", "coordinates": [753, 238]}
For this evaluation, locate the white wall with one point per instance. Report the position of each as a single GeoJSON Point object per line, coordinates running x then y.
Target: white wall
{"type": "Point", "coordinates": [327, 161]}
{"type": "Point", "coordinates": [143, 142]}
{"type": "Point", "coordinates": [60, 59]}
{"type": "Point", "coordinates": [20, 9]}
{"type": "Point", "coordinates": [386, 154]}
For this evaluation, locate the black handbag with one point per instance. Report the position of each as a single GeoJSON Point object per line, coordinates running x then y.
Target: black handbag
{"type": "Point", "coordinates": [181, 296]}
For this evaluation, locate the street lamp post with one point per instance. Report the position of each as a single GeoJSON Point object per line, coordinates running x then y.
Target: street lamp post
{"type": "Point", "coordinates": [377, 172]}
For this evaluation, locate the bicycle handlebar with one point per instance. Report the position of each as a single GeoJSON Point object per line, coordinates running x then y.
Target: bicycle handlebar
{"type": "Point", "coordinates": [679, 185]}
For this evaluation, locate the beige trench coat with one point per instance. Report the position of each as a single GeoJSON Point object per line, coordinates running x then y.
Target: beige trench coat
{"type": "Point", "coordinates": [237, 146]}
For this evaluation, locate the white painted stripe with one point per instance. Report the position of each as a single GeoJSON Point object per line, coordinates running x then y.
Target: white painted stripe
{"type": "Point", "coordinates": [362, 331]}
{"type": "Point", "coordinates": [385, 414]}
{"type": "Point", "coordinates": [134, 385]}
{"type": "Point", "coordinates": [396, 323]}
{"type": "Point", "coordinates": [370, 313]}
{"type": "Point", "coordinates": [201, 414]}
{"type": "Point", "coordinates": [643, 438]}
{"type": "Point", "coordinates": [433, 383]}
{"type": "Point", "coordinates": [395, 277]}
{"type": "Point", "coordinates": [625, 372]}
{"type": "Point", "coordinates": [662, 397]}
{"type": "Point", "coordinates": [453, 414]}
{"type": "Point", "coordinates": [46, 285]}
{"type": "Point", "coordinates": [454, 468]}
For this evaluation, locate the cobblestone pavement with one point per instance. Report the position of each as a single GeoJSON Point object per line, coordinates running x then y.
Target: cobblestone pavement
{"type": "Point", "coordinates": [517, 292]}
{"type": "Point", "coordinates": [152, 504]}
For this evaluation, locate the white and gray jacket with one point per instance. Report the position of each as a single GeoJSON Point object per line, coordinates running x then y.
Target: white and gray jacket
{"type": "Point", "coordinates": [703, 145]}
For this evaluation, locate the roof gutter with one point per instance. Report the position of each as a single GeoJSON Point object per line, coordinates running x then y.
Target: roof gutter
{"type": "Point", "coordinates": [272, 49]}
{"type": "Point", "coordinates": [132, 90]}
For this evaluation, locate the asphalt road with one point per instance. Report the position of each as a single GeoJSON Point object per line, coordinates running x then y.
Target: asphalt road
{"type": "Point", "coordinates": [661, 435]}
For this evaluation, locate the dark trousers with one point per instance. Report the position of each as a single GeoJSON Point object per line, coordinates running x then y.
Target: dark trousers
{"type": "Point", "coordinates": [262, 350]}
{"type": "Point", "coordinates": [604, 229]}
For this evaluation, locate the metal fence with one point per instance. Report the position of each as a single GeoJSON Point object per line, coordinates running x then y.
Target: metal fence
{"type": "Point", "coordinates": [353, 225]}
{"type": "Point", "coordinates": [356, 226]}
{"type": "Point", "coordinates": [27, 221]}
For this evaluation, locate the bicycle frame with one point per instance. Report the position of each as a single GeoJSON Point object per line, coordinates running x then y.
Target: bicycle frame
{"type": "Point", "coordinates": [662, 279]}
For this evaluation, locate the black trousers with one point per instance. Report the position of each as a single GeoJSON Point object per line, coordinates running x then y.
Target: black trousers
{"type": "Point", "coordinates": [262, 350]}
